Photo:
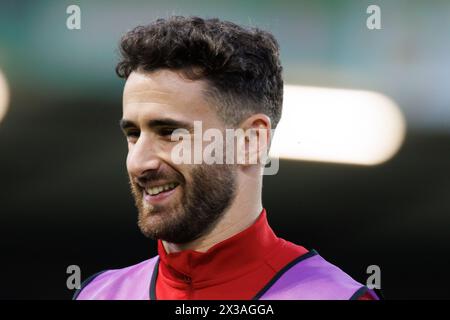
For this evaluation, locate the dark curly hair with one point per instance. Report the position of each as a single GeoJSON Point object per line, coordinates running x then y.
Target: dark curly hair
{"type": "Point", "coordinates": [241, 65]}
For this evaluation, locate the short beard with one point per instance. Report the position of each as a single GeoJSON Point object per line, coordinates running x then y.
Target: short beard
{"type": "Point", "coordinates": [203, 203]}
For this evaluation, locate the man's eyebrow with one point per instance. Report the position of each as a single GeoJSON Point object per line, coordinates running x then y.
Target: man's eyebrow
{"type": "Point", "coordinates": [163, 122]}
{"type": "Point", "coordinates": [167, 122]}
{"type": "Point", "coordinates": [125, 124]}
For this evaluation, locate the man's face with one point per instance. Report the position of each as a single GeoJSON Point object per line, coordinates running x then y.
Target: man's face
{"type": "Point", "coordinates": [176, 203]}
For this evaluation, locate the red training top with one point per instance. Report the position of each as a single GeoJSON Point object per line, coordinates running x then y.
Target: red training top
{"type": "Point", "coordinates": [234, 269]}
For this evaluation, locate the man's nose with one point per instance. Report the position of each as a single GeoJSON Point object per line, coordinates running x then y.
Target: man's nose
{"type": "Point", "coordinates": [142, 157]}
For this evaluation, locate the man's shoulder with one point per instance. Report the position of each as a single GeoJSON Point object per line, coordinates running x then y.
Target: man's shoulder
{"type": "Point", "coordinates": [100, 283]}
{"type": "Point", "coordinates": [312, 262]}
{"type": "Point", "coordinates": [309, 276]}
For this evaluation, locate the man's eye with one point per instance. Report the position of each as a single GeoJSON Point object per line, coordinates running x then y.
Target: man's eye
{"type": "Point", "coordinates": [132, 134]}
{"type": "Point", "coordinates": [166, 131]}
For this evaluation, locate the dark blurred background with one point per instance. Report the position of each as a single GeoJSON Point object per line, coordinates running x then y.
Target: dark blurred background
{"type": "Point", "coordinates": [64, 195]}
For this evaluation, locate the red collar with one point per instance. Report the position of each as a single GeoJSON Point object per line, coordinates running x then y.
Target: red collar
{"type": "Point", "coordinates": [228, 259]}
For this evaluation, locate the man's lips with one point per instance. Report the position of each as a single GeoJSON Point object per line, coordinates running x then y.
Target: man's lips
{"type": "Point", "coordinates": [160, 197]}
{"type": "Point", "coordinates": [156, 188]}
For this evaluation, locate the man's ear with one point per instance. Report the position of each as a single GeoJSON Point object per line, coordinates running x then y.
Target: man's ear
{"type": "Point", "coordinates": [257, 132]}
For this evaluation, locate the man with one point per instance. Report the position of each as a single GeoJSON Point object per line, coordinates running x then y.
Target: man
{"type": "Point", "coordinates": [214, 241]}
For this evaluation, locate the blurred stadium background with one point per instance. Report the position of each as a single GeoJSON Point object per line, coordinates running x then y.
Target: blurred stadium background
{"type": "Point", "coordinates": [64, 195]}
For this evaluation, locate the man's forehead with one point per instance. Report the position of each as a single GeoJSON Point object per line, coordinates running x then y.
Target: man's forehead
{"type": "Point", "coordinates": [146, 96]}
{"type": "Point", "coordinates": [161, 84]}
{"type": "Point", "coordinates": [166, 92]}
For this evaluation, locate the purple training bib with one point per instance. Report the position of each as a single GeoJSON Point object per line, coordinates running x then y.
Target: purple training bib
{"type": "Point", "coordinates": [309, 277]}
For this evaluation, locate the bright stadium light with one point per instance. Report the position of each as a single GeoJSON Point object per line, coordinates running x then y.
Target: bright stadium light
{"type": "Point", "coordinates": [4, 96]}
{"type": "Point", "coordinates": [336, 125]}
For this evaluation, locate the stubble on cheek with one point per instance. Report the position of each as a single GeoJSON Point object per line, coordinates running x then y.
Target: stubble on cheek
{"type": "Point", "coordinates": [153, 220]}
{"type": "Point", "coordinates": [202, 199]}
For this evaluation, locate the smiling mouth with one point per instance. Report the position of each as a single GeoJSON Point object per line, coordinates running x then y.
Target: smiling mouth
{"type": "Point", "coordinates": [161, 189]}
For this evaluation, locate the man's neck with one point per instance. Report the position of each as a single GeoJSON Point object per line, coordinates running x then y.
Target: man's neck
{"type": "Point", "coordinates": [225, 229]}
{"type": "Point", "coordinates": [240, 215]}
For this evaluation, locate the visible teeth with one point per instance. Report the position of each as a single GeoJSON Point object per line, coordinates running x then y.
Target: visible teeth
{"type": "Point", "coordinates": [156, 190]}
